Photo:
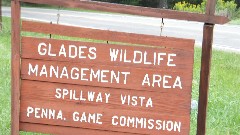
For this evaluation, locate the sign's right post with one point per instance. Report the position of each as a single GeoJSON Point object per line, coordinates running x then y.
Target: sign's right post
{"type": "Point", "coordinates": [205, 69]}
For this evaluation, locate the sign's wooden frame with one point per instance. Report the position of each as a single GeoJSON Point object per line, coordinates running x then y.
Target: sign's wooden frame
{"type": "Point", "coordinates": [209, 20]}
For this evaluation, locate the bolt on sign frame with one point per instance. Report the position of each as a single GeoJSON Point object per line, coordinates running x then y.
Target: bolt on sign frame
{"type": "Point", "coordinates": [209, 20]}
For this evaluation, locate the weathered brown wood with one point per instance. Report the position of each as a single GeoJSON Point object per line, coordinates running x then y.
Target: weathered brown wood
{"type": "Point", "coordinates": [169, 103]}
{"type": "Point", "coordinates": [60, 130]}
{"type": "Point", "coordinates": [36, 100]}
{"type": "Point", "coordinates": [30, 49]}
{"type": "Point", "coordinates": [134, 10]}
{"type": "Point", "coordinates": [15, 67]}
{"type": "Point", "coordinates": [211, 7]}
{"type": "Point", "coordinates": [41, 95]}
{"type": "Point", "coordinates": [205, 70]}
{"type": "Point", "coordinates": [95, 34]}
{"type": "Point", "coordinates": [106, 118]}
{"type": "Point", "coordinates": [164, 102]}
{"type": "Point", "coordinates": [74, 76]}
{"type": "Point", "coordinates": [204, 78]}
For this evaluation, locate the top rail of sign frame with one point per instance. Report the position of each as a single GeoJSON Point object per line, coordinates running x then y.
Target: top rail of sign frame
{"type": "Point", "coordinates": [134, 10]}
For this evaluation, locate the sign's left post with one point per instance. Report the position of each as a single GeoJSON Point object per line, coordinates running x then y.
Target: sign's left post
{"type": "Point", "coordinates": [15, 67]}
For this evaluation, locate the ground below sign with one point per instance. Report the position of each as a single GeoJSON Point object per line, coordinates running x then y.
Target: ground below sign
{"type": "Point", "coordinates": [143, 89]}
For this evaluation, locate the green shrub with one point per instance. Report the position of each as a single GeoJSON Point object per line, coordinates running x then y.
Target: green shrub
{"type": "Point", "coordinates": [236, 15]}
{"type": "Point", "coordinates": [6, 2]}
{"type": "Point", "coordinates": [227, 8]}
{"type": "Point", "coordinates": [224, 8]}
{"type": "Point", "coordinates": [188, 7]}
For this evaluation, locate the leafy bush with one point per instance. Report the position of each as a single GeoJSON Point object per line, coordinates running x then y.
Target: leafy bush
{"type": "Point", "coordinates": [6, 2]}
{"type": "Point", "coordinates": [236, 15]}
{"type": "Point", "coordinates": [227, 8]}
{"type": "Point", "coordinates": [188, 7]}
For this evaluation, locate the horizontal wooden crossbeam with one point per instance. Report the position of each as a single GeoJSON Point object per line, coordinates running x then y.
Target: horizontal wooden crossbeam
{"type": "Point", "coordinates": [89, 33]}
{"type": "Point", "coordinates": [135, 10]}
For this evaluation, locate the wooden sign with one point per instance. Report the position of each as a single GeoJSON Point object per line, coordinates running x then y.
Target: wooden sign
{"type": "Point", "coordinates": [69, 87]}
{"type": "Point", "coordinates": [87, 87]}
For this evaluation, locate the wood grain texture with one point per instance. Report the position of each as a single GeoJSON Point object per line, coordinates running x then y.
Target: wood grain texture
{"type": "Point", "coordinates": [131, 81]}
{"type": "Point", "coordinates": [183, 61]}
{"type": "Point", "coordinates": [134, 10]}
{"type": "Point", "coordinates": [204, 78]}
{"type": "Point", "coordinates": [164, 102]}
{"type": "Point", "coordinates": [106, 118]}
{"type": "Point", "coordinates": [205, 70]}
{"type": "Point", "coordinates": [60, 130]}
{"type": "Point", "coordinates": [38, 91]}
{"type": "Point", "coordinates": [106, 35]}
{"type": "Point", "coordinates": [15, 67]}
{"type": "Point", "coordinates": [211, 7]}
{"type": "Point", "coordinates": [170, 103]}
{"type": "Point", "coordinates": [54, 126]}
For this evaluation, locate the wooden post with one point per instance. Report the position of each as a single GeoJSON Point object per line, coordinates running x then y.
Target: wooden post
{"type": "Point", "coordinates": [205, 69]}
{"type": "Point", "coordinates": [204, 77]}
{"type": "Point", "coordinates": [15, 66]}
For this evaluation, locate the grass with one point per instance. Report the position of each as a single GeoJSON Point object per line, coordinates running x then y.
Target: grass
{"type": "Point", "coordinates": [223, 107]}
{"type": "Point", "coordinates": [236, 18]}
{"type": "Point", "coordinates": [224, 104]}
{"type": "Point", "coordinates": [5, 78]}
{"type": "Point", "coordinates": [235, 22]}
